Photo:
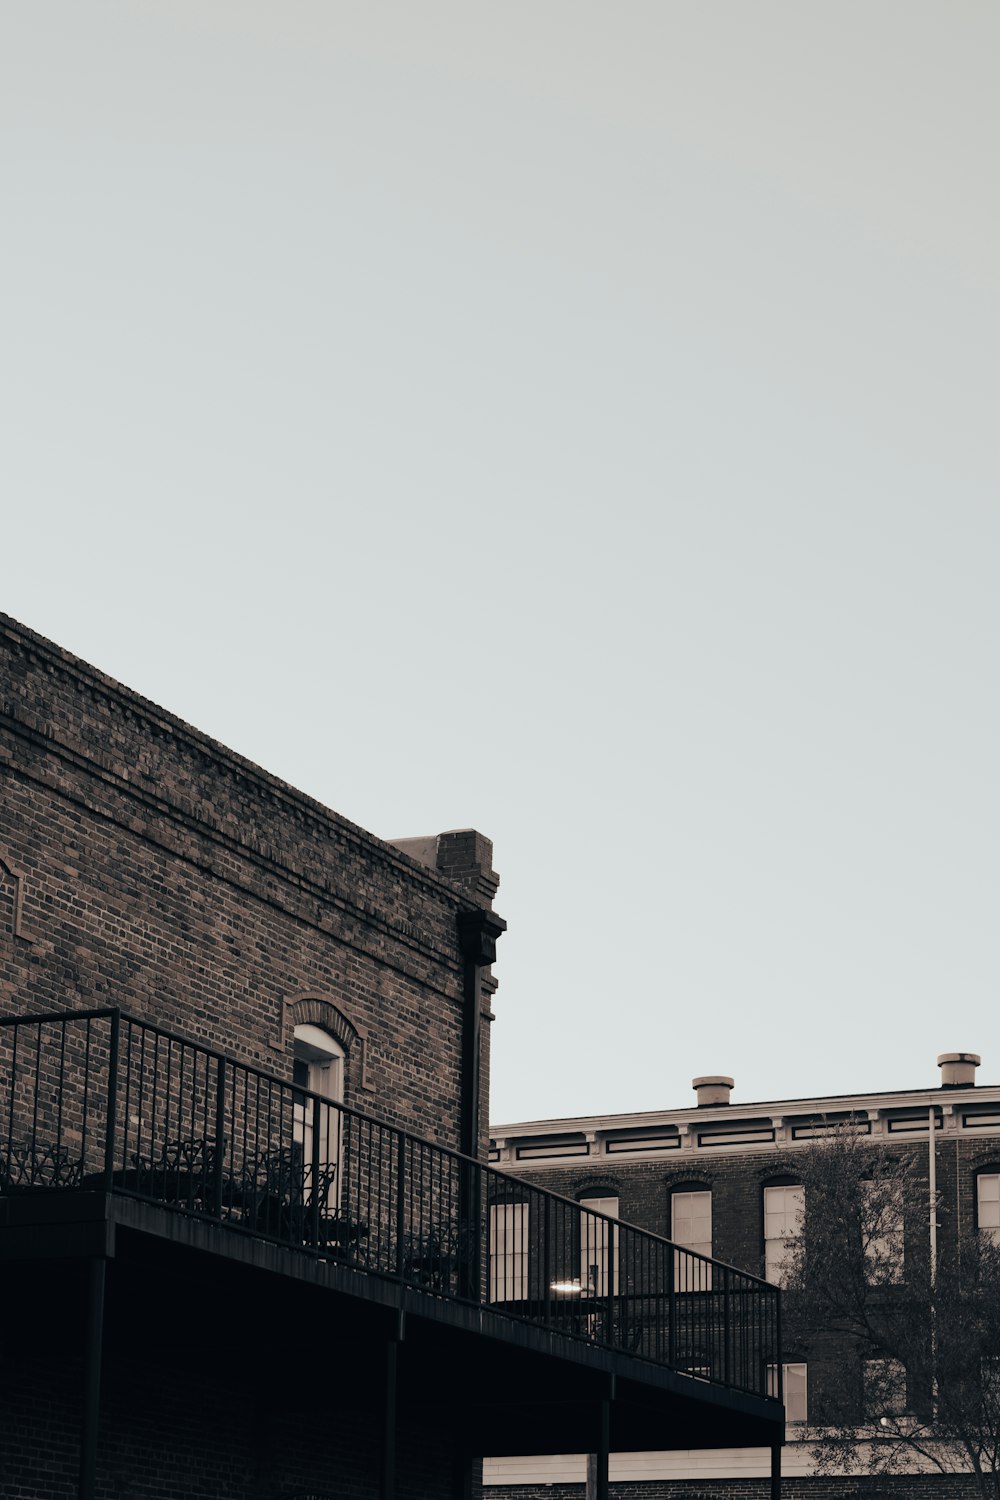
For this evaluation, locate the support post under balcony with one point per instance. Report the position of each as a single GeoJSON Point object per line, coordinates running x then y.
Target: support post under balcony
{"type": "Point", "coordinates": [92, 1355]}
{"type": "Point", "coordinates": [390, 1382]}
{"type": "Point", "coordinates": [603, 1450]}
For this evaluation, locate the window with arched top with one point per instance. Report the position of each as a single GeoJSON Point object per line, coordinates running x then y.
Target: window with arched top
{"type": "Point", "coordinates": [317, 1121]}
{"type": "Point", "coordinates": [784, 1208]}
{"type": "Point", "coordinates": [318, 1062]}
{"type": "Point", "coordinates": [691, 1229]}
{"type": "Point", "coordinates": [598, 1248]}
{"type": "Point", "coordinates": [988, 1202]}
{"type": "Point", "coordinates": [12, 892]}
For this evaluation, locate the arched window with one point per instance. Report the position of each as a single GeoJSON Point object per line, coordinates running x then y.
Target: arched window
{"type": "Point", "coordinates": [317, 1126]}
{"type": "Point", "coordinates": [318, 1062]}
{"type": "Point", "coordinates": [12, 889]}
{"type": "Point", "coordinates": [691, 1228]}
{"type": "Point", "coordinates": [598, 1250]}
{"type": "Point", "coordinates": [507, 1249]}
{"type": "Point", "coordinates": [784, 1207]}
{"type": "Point", "coordinates": [988, 1202]}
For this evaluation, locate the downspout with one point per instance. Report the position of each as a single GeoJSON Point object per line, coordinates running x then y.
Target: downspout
{"type": "Point", "coordinates": [932, 1209]}
{"type": "Point", "coordinates": [932, 1187]}
{"type": "Point", "coordinates": [477, 939]}
{"type": "Point", "coordinates": [477, 936]}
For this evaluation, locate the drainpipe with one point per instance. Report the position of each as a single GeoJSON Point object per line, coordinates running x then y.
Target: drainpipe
{"type": "Point", "coordinates": [932, 1187]}
{"type": "Point", "coordinates": [932, 1206]}
{"type": "Point", "coordinates": [477, 938]}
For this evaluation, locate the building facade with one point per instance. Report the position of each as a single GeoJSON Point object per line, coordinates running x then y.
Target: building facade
{"type": "Point", "coordinates": [251, 1243]}
{"type": "Point", "coordinates": [726, 1180]}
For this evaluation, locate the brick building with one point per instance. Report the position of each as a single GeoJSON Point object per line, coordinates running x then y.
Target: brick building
{"type": "Point", "coordinates": [724, 1179]}
{"type": "Point", "coordinates": [251, 1245]}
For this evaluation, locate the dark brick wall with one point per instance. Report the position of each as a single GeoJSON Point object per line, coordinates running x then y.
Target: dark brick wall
{"type": "Point", "coordinates": [158, 871]}
{"type": "Point", "coordinates": [186, 1415]}
{"type": "Point", "coordinates": [144, 866]}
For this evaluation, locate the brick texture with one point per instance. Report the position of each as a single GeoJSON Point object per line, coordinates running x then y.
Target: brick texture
{"type": "Point", "coordinates": [144, 866]}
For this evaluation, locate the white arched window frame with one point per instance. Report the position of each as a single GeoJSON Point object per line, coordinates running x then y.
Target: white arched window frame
{"type": "Point", "coordinates": [318, 1066]}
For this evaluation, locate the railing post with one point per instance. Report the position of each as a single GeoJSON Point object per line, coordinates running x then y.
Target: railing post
{"type": "Point", "coordinates": [220, 1135]}
{"type": "Point", "coordinates": [611, 1279]}
{"type": "Point", "coordinates": [470, 1239]}
{"type": "Point", "coordinates": [727, 1359]}
{"type": "Point", "coordinates": [671, 1308]}
{"type": "Point", "coordinates": [546, 1287]}
{"type": "Point", "coordinates": [314, 1199]}
{"type": "Point", "coordinates": [111, 1119]}
{"type": "Point", "coordinates": [603, 1449]}
{"type": "Point", "coordinates": [400, 1202]}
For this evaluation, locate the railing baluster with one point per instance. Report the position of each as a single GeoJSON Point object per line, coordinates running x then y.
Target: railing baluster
{"type": "Point", "coordinates": [111, 1117]}
{"type": "Point", "coordinates": [400, 1202]}
{"type": "Point", "coordinates": [220, 1133]}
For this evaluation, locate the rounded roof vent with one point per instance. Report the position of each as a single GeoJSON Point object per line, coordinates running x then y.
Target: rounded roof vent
{"type": "Point", "coordinates": [713, 1089]}
{"type": "Point", "coordinates": [958, 1069]}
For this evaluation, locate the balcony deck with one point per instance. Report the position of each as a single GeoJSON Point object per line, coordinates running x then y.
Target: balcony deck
{"type": "Point", "coordinates": [181, 1168]}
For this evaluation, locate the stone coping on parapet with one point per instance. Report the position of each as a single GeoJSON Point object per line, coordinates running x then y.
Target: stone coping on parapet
{"type": "Point", "coordinates": [902, 1114]}
{"type": "Point", "coordinates": [266, 786]}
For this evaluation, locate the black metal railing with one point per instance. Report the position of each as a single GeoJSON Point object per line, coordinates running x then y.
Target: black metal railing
{"type": "Point", "coordinates": [97, 1100]}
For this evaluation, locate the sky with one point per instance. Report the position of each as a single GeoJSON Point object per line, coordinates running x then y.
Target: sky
{"type": "Point", "coordinates": [572, 420]}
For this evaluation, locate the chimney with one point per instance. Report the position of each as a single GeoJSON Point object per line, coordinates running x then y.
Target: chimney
{"type": "Point", "coordinates": [713, 1090]}
{"type": "Point", "coordinates": [958, 1069]}
{"type": "Point", "coordinates": [462, 855]}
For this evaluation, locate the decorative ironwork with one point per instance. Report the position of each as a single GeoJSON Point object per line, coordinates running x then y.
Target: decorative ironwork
{"type": "Point", "coordinates": [99, 1101]}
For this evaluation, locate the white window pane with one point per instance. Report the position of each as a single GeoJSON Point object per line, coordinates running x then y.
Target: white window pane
{"type": "Point", "coordinates": [988, 1188]}
{"type": "Point", "coordinates": [508, 1251]}
{"type": "Point", "coordinates": [882, 1228]}
{"type": "Point", "coordinates": [691, 1226]}
{"type": "Point", "coordinates": [884, 1387]}
{"type": "Point", "coordinates": [795, 1393]}
{"type": "Point", "coordinates": [784, 1211]}
{"type": "Point", "coordinates": [692, 1221]}
{"type": "Point", "coordinates": [598, 1255]}
{"type": "Point", "coordinates": [794, 1377]}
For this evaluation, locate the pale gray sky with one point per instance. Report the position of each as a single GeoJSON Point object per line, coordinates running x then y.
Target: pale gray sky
{"type": "Point", "coordinates": [576, 420]}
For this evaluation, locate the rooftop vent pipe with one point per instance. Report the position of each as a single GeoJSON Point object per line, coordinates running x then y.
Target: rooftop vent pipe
{"type": "Point", "coordinates": [713, 1090]}
{"type": "Point", "coordinates": [958, 1069]}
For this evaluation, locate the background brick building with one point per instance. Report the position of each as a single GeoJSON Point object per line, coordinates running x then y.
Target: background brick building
{"type": "Point", "coordinates": [723, 1178]}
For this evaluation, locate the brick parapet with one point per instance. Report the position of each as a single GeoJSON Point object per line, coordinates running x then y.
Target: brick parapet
{"type": "Point", "coordinates": [143, 865]}
{"type": "Point", "coordinates": [40, 712]}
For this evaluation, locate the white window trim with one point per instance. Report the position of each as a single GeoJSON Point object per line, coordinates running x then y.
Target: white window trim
{"type": "Point", "coordinates": [884, 1252]}
{"type": "Point", "coordinates": [508, 1251]}
{"type": "Point", "coordinates": [598, 1246]}
{"type": "Point", "coordinates": [691, 1275]}
{"type": "Point", "coordinates": [988, 1207]}
{"type": "Point", "coordinates": [776, 1248]}
{"type": "Point", "coordinates": [796, 1396]}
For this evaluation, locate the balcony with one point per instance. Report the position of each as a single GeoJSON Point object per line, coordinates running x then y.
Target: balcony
{"type": "Point", "coordinates": [121, 1141]}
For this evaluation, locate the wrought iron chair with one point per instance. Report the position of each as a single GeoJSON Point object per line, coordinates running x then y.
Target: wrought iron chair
{"type": "Point", "coordinates": [28, 1165]}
